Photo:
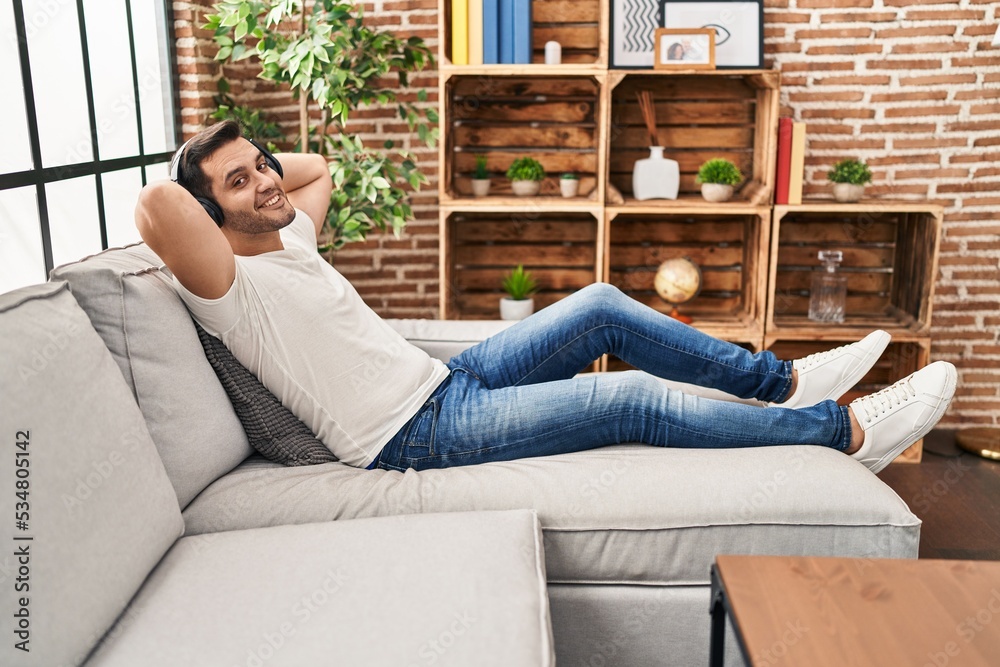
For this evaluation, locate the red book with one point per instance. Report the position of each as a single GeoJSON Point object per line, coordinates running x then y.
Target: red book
{"type": "Point", "coordinates": [784, 161]}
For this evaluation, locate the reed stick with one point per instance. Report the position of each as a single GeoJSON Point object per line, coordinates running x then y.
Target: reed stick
{"type": "Point", "coordinates": [648, 108]}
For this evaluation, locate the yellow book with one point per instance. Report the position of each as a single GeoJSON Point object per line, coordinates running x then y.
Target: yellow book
{"type": "Point", "coordinates": [796, 170]}
{"type": "Point", "coordinates": [475, 32]}
{"type": "Point", "coordinates": [460, 32]}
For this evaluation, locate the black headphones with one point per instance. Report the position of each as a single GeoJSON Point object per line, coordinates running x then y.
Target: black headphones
{"type": "Point", "coordinates": [213, 209]}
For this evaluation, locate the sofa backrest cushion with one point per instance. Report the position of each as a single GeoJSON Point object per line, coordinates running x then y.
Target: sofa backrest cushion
{"type": "Point", "coordinates": [81, 472]}
{"type": "Point", "coordinates": [132, 303]}
{"type": "Point", "coordinates": [444, 339]}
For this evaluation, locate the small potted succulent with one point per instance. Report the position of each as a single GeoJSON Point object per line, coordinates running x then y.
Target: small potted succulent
{"type": "Point", "coordinates": [569, 184]}
{"type": "Point", "coordinates": [849, 178]}
{"type": "Point", "coordinates": [480, 178]}
{"type": "Point", "coordinates": [717, 178]}
{"type": "Point", "coordinates": [519, 286]}
{"type": "Point", "coordinates": [526, 175]}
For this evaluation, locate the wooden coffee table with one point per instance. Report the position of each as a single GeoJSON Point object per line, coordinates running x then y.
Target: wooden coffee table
{"type": "Point", "coordinates": [846, 611]}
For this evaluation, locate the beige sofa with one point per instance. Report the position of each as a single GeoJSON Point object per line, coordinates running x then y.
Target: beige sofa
{"type": "Point", "coordinates": [627, 532]}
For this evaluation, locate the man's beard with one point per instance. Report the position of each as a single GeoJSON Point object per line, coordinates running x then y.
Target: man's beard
{"type": "Point", "coordinates": [254, 222]}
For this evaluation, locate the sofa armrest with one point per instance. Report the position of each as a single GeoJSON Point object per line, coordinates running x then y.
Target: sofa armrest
{"type": "Point", "coordinates": [465, 588]}
{"type": "Point", "coordinates": [443, 339]}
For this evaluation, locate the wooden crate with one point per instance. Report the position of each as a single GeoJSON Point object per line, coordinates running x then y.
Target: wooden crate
{"type": "Point", "coordinates": [575, 24]}
{"type": "Point", "coordinates": [899, 360]}
{"type": "Point", "coordinates": [559, 248]}
{"type": "Point", "coordinates": [890, 261]}
{"type": "Point", "coordinates": [553, 119]}
{"type": "Point", "coordinates": [729, 247]}
{"type": "Point", "coordinates": [699, 116]}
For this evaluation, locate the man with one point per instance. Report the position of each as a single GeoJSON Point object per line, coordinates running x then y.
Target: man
{"type": "Point", "coordinates": [253, 278]}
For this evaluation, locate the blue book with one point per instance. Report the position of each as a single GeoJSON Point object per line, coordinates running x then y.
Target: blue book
{"type": "Point", "coordinates": [522, 32]}
{"type": "Point", "coordinates": [491, 32]}
{"type": "Point", "coordinates": [506, 32]}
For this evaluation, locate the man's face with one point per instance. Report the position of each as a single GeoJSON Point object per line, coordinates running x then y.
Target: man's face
{"type": "Point", "coordinates": [247, 190]}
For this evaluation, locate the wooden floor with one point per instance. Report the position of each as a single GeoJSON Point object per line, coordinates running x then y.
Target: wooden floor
{"type": "Point", "coordinates": [956, 495]}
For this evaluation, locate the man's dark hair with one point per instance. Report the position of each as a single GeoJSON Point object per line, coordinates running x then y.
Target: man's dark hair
{"type": "Point", "coordinates": [190, 174]}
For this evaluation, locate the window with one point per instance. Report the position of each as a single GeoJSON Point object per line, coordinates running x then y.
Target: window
{"type": "Point", "coordinates": [90, 117]}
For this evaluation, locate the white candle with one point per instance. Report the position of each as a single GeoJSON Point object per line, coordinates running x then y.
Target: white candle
{"type": "Point", "coordinates": [553, 53]}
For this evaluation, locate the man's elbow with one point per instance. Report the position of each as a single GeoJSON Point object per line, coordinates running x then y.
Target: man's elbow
{"type": "Point", "coordinates": [142, 208]}
{"type": "Point", "coordinates": [322, 169]}
{"type": "Point", "coordinates": [151, 199]}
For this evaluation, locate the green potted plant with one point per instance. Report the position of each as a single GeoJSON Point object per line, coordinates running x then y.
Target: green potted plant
{"type": "Point", "coordinates": [717, 178]}
{"type": "Point", "coordinates": [480, 178]}
{"type": "Point", "coordinates": [849, 178]}
{"type": "Point", "coordinates": [328, 56]}
{"type": "Point", "coordinates": [569, 184]}
{"type": "Point", "coordinates": [519, 286]}
{"type": "Point", "coordinates": [526, 175]}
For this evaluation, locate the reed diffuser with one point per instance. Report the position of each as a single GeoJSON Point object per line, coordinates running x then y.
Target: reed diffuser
{"type": "Point", "coordinates": [655, 177]}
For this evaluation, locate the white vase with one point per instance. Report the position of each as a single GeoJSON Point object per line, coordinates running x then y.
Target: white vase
{"type": "Point", "coordinates": [716, 192]}
{"type": "Point", "coordinates": [848, 192]}
{"type": "Point", "coordinates": [525, 188]}
{"type": "Point", "coordinates": [569, 187]}
{"type": "Point", "coordinates": [516, 309]}
{"type": "Point", "coordinates": [480, 187]}
{"type": "Point", "coordinates": [655, 177]}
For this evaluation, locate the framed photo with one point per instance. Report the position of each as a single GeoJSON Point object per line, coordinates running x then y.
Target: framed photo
{"type": "Point", "coordinates": [633, 23]}
{"type": "Point", "coordinates": [684, 48]}
{"type": "Point", "coordinates": [738, 26]}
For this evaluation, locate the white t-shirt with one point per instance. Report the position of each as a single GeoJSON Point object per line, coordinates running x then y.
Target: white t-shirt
{"type": "Point", "coordinates": [303, 330]}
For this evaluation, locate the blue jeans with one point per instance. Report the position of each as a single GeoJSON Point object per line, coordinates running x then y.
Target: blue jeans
{"type": "Point", "coordinates": [515, 395]}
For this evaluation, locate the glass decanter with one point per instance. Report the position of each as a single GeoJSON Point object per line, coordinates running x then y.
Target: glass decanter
{"type": "Point", "coordinates": [828, 295]}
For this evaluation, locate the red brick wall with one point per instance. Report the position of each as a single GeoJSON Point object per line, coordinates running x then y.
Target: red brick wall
{"type": "Point", "coordinates": [910, 86]}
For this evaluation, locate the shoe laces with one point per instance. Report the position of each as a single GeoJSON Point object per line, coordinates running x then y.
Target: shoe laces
{"type": "Point", "coordinates": [818, 357]}
{"type": "Point", "coordinates": [885, 400]}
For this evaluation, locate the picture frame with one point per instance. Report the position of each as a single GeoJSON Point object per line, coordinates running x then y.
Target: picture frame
{"type": "Point", "coordinates": [633, 24]}
{"type": "Point", "coordinates": [738, 24]}
{"type": "Point", "coordinates": [684, 48]}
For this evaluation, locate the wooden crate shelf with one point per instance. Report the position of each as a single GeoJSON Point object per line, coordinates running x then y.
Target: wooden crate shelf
{"type": "Point", "coordinates": [582, 116]}
{"type": "Point", "coordinates": [576, 24]}
{"type": "Point", "coordinates": [899, 360]}
{"type": "Point", "coordinates": [555, 119]}
{"type": "Point", "coordinates": [510, 203]}
{"type": "Point", "coordinates": [539, 69]}
{"type": "Point", "coordinates": [559, 248]}
{"type": "Point", "coordinates": [685, 204]}
{"type": "Point", "coordinates": [890, 261]}
{"type": "Point", "coordinates": [700, 116]}
{"type": "Point", "coordinates": [729, 248]}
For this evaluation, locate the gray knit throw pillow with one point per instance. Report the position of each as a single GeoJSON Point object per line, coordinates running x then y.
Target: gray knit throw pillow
{"type": "Point", "coordinates": [272, 430]}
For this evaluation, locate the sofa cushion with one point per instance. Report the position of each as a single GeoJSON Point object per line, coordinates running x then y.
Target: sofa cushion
{"type": "Point", "coordinates": [134, 307]}
{"type": "Point", "coordinates": [98, 508]}
{"type": "Point", "coordinates": [443, 589]}
{"type": "Point", "coordinates": [443, 339]}
{"type": "Point", "coordinates": [626, 513]}
{"type": "Point", "coordinates": [605, 624]}
{"type": "Point", "coordinates": [271, 428]}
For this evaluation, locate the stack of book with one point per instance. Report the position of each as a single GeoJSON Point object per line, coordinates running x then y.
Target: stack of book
{"type": "Point", "coordinates": [791, 162]}
{"type": "Point", "coordinates": [490, 32]}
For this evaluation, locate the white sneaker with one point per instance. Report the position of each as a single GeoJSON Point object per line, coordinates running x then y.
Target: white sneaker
{"type": "Point", "coordinates": [829, 374]}
{"type": "Point", "coordinates": [899, 415]}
